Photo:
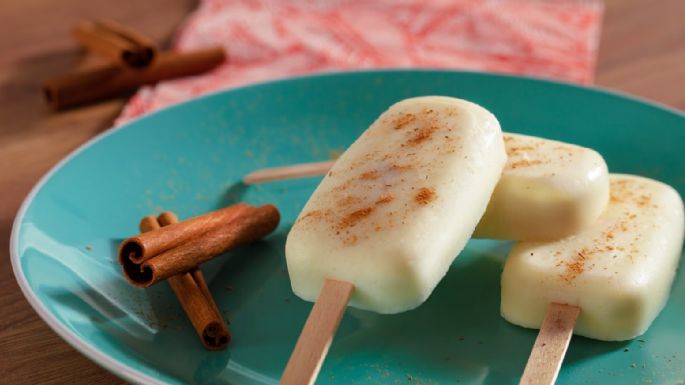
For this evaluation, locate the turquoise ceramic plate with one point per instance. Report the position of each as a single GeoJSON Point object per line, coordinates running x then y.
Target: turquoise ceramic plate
{"type": "Point", "coordinates": [189, 159]}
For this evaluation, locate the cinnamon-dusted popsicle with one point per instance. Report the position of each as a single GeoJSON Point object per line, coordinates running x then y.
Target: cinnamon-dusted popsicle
{"type": "Point", "coordinates": [619, 271]}
{"type": "Point", "coordinates": [399, 205]}
{"type": "Point", "coordinates": [548, 190]}
{"type": "Point", "coordinates": [386, 222]}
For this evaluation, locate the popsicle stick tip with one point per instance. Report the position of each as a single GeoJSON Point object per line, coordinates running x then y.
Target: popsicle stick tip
{"type": "Point", "coordinates": [316, 337]}
{"type": "Point", "coordinates": [551, 344]}
{"type": "Point", "coordinates": [301, 170]}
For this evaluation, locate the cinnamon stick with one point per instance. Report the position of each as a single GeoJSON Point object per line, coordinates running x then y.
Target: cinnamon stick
{"type": "Point", "coordinates": [144, 246]}
{"type": "Point", "coordinates": [206, 322]}
{"type": "Point", "coordinates": [251, 224]}
{"type": "Point", "coordinates": [168, 218]}
{"type": "Point", "coordinates": [197, 302]}
{"type": "Point", "coordinates": [114, 41]}
{"type": "Point", "coordinates": [112, 80]}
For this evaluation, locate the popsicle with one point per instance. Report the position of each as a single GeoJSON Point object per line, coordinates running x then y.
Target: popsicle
{"type": "Point", "coordinates": [399, 204]}
{"type": "Point", "coordinates": [396, 208]}
{"type": "Point", "coordinates": [548, 189]}
{"type": "Point", "coordinates": [618, 272]}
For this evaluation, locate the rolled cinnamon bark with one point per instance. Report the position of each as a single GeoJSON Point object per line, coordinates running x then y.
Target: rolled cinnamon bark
{"type": "Point", "coordinates": [114, 41]}
{"type": "Point", "coordinates": [197, 302]}
{"type": "Point", "coordinates": [167, 218]}
{"type": "Point", "coordinates": [202, 284]}
{"type": "Point", "coordinates": [250, 225]}
{"type": "Point", "coordinates": [206, 322]}
{"type": "Point", "coordinates": [112, 80]}
{"type": "Point", "coordinates": [144, 246]}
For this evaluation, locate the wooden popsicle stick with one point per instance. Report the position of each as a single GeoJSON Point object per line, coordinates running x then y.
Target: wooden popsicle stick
{"type": "Point", "coordinates": [550, 345]}
{"type": "Point", "coordinates": [312, 345]}
{"type": "Point", "coordinates": [294, 171]}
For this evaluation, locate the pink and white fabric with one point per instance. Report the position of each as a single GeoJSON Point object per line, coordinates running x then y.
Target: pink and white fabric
{"type": "Point", "coordinates": [269, 39]}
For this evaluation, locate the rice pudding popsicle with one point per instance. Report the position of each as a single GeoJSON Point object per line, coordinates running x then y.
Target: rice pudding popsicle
{"type": "Point", "coordinates": [548, 190]}
{"type": "Point", "coordinates": [399, 205]}
{"type": "Point", "coordinates": [619, 271]}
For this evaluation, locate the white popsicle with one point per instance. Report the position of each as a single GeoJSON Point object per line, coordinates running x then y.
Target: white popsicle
{"type": "Point", "coordinates": [619, 271]}
{"type": "Point", "coordinates": [399, 204]}
{"type": "Point", "coordinates": [548, 190]}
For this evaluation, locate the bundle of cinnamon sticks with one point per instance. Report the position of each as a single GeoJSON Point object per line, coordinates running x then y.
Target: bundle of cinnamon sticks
{"type": "Point", "coordinates": [128, 61]}
{"type": "Point", "coordinates": [173, 251]}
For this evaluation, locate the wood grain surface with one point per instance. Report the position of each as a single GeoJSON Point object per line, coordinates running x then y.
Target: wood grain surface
{"type": "Point", "coordinates": [642, 52]}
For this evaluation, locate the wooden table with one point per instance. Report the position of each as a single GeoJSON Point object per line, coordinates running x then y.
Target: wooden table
{"type": "Point", "coordinates": [642, 52]}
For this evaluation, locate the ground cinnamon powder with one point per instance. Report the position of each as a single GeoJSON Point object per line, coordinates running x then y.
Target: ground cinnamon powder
{"type": "Point", "coordinates": [404, 120]}
{"type": "Point", "coordinates": [351, 219]}
{"type": "Point", "coordinates": [423, 133]}
{"type": "Point", "coordinates": [385, 198]}
{"type": "Point", "coordinates": [425, 195]}
{"type": "Point", "coordinates": [370, 175]}
{"type": "Point", "coordinates": [575, 267]}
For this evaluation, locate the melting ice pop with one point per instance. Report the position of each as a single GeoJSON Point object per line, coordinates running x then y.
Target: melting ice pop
{"type": "Point", "coordinates": [393, 212]}
{"type": "Point", "coordinates": [548, 189]}
{"type": "Point", "coordinates": [619, 271]}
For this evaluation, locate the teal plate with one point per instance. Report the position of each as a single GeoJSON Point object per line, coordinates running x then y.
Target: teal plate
{"type": "Point", "coordinates": [190, 158]}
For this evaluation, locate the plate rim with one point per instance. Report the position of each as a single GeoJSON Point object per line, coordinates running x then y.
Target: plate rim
{"type": "Point", "coordinates": [134, 375]}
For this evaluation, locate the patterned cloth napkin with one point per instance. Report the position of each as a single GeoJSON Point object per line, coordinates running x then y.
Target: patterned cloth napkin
{"type": "Point", "coordinates": [269, 39]}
